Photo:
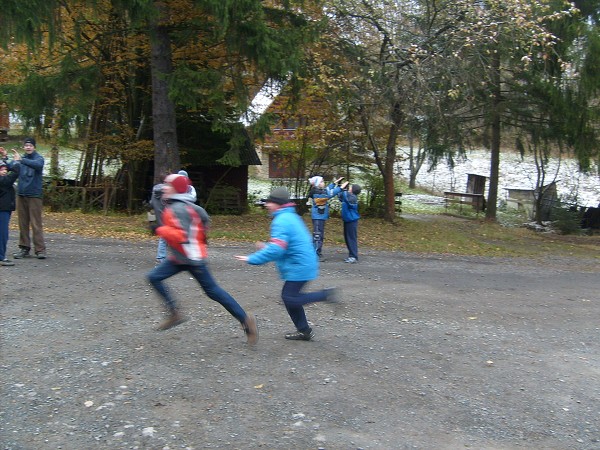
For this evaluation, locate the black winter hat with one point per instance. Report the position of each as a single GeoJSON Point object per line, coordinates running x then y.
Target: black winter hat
{"type": "Point", "coordinates": [29, 140]}
{"type": "Point", "coordinates": [279, 195]}
{"type": "Point", "coordinates": [356, 189]}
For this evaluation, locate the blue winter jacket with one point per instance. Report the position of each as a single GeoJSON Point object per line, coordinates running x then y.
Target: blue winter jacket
{"type": "Point", "coordinates": [290, 247]}
{"type": "Point", "coordinates": [320, 200]}
{"type": "Point", "coordinates": [349, 206]}
{"type": "Point", "coordinates": [30, 175]}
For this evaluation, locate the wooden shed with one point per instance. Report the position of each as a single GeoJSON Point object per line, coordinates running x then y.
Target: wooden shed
{"type": "Point", "coordinates": [221, 188]}
{"type": "Point", "coordinates": [476, 183]}
{"type": "Point", "coordinates": [524, 200]}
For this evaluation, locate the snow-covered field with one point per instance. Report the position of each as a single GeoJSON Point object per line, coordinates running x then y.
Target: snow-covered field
{"type": "Point", "coordinates": [572, 186]}
{"type": "Point", "coordinates": [69, 162]}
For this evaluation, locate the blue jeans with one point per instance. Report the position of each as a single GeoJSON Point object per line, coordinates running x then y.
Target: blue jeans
{"type": "Point", "coordinates": [161, 251]}
{"type": "Point", "coordinates": [293, 300]}
{"type": "Point", "coordinates": [318, 234]}
{"type": "Point", "coordinates": [201, 273]}
{"type": "Point", "coordinates": [4, 220]}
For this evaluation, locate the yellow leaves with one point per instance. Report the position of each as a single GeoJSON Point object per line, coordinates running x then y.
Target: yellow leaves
{"type": "Point", "coordinates": [454, 94]}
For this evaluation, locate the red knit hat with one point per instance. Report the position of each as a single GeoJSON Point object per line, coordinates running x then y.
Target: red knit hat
{"type": "Point", "coordinates": [179, 183]}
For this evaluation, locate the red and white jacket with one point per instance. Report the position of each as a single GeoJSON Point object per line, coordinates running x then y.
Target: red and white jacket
{"type": "Point", "coordinates": [184, 227]}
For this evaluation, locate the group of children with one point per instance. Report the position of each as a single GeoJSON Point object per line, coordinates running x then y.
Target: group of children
{"type": "Point", "coordinates": [183, 225]}
{"type": "Point", "coordinates": [319, 196]}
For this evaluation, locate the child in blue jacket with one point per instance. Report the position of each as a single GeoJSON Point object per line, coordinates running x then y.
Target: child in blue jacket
{"type": "Point", "coordinates": [290, 247]}
{"type": "Point", "coordinates": [350, 216]}
{"type": "Point", "coordinates": [320, 195]}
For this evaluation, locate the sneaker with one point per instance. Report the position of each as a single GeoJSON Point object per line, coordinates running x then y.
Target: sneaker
{"type": "Point", "coordinates": [251, 330]}
{"type": "Point", "coordinates": [301, 335]}
{"type": "Point", "coordinates": [351, 260]}
{"type": "Point", "coordinates": [333, 298]}
{"type": "Point", "coordinates": [40, 255]}
{"type": "Point", "coordinates": [6, 262]}
{"type": "Point", "coordinates": [174, 319]}
{"type": "Point", "coordinates": [22, 253]}
{"type": "Point", "coordinates": [332, 295]}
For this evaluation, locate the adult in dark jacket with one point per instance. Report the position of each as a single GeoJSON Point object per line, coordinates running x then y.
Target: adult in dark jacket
{"type": "Point", "coordinates": [290, 247]}
{"type": "Point", "coordinates": [29, 202]}
{"type": "Point", "coordinates": [7, 203]}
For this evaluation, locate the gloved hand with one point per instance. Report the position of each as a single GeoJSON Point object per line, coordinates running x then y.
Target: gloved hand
{"type": "Point", "coordinates": [153, 226]}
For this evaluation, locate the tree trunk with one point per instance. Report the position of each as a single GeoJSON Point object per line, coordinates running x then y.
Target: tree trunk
{"type": "Point", "coordinates": [415, 161]}
{"type": "Point", "coordinates": [491, 209]}
{"type": "Point", "coordinates": [389, 214]}
{"type": "Point", "coordinates": [166, 148]}
{"type": "Point", "coordinates": [412, 175]}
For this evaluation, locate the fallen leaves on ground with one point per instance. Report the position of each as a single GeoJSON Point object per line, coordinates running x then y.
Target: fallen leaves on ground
{"type": "Point", "coordinates": [428, 234]}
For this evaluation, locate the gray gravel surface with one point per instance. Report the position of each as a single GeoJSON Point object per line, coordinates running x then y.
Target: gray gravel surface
{"type": "Point", "coordinates": [426, 352]}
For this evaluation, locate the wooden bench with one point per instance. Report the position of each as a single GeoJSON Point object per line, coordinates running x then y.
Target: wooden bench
{"type": "Point", "coordinates": [465, 198]}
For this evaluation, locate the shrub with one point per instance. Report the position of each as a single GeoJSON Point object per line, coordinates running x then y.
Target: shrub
{"type": "Point", "coordinates": [566, 220]}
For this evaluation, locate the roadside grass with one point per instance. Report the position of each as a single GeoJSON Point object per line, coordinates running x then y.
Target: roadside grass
{"type": "Point", "coordinates": [422, 227]}
{"type": "Point", "coordinates": [418, 233]}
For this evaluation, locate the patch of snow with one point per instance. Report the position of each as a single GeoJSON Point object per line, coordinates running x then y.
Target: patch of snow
{"type": "Point", "coordinates": [515, 173]}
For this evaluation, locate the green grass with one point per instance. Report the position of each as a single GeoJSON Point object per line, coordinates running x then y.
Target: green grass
{"type": "Point", "coordinates": [421, 228]}
{"type": "Point", "coordinates": [437, 234]}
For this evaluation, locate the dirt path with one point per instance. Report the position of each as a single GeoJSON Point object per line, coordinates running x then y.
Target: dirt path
{"type": "Point", "coordinates": [427, 352]}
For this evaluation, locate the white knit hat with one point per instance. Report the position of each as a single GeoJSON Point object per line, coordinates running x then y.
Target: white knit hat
{"type": "Point", "coordinates": [316, 180]}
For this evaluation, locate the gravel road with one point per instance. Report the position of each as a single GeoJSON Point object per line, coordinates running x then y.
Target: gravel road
{"type": "Point", "coordinates": [427, 352]}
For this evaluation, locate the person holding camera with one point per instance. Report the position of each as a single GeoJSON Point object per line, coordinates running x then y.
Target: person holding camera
{"type": "Point", "coordinates": [350, 217]}
{"type": "Point", "coordinates": [320, 195]}
{"type": "Point", "coordinates": [30, 207]}
{"type": "Point", "coordinates": [8, 176]}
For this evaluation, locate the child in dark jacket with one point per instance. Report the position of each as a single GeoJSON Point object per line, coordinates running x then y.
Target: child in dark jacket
{"type": "Point", "coordinates": [350, 216]}
{"type": "Point", "coordinates": [7, 203]}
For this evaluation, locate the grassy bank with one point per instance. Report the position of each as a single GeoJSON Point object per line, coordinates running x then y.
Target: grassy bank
{"type": "Point", "coordinates": [422, 233]}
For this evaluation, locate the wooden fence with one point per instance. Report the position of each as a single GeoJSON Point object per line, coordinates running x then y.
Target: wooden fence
{"type": "Point", "coordinates": [79, 197]}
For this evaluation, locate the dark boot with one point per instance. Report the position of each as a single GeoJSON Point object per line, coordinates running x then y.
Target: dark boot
{"type": "Point", "coordinates": [251, 330]}
{"type": "Point", "coordinates": [301, 335]}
